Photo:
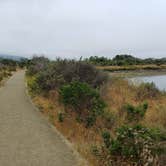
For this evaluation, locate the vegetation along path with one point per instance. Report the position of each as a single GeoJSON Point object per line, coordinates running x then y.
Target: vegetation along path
{"type": "Point", "coordinates": [26, 138]}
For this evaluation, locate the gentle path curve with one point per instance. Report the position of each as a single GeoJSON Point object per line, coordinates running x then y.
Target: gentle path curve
{"type": "Point", "coordinates": [26, 139]}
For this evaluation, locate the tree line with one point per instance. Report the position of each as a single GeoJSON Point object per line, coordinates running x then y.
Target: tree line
{"type": "Point", "coordinates": [124, 60]}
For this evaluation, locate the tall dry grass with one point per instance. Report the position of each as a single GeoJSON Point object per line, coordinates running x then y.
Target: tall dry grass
{"type": "Point", "coordinates": [116, 93]}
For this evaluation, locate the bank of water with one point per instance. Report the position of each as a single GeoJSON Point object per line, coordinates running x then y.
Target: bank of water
{"type": "Point", "coordinates": [159, 80]}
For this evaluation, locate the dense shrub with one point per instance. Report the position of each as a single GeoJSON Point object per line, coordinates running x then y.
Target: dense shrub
{"type": "Point", "coordinates": [72, 70]}
{"type": "Point", "coordinates": [147, 90]}
{"type": "Point", "coordinates": [67, 76]}
{"type": "Point", "coordinates": [123, 60]}
{"type": "Point", "coordinates": [48, 79]}
{"type": "Point", "coordinates": [135, 143]}
{"type": "Point", "coordinates": [84, 100]}
{"type": "Point", "coordinates": [51, 75]}
{"type": "Point", "coordinates": [135, 113]}
{"type": "Point", "coordinates": [36, 65]}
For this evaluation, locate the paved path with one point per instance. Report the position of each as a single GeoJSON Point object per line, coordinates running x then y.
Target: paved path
{"type": "Point", "coordinates": [26, 139]}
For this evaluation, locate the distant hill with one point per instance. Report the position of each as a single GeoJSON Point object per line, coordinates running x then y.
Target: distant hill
{"type": "Point", "coordinates": [12, 57]}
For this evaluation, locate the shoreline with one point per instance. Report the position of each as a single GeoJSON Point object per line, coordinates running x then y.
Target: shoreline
{"type": "Point", "coordinates": [134, 70]}
{"type": "Point", "coordinates": [136, 73]}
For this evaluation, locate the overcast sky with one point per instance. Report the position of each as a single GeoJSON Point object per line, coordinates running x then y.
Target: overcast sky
{"type": "Point", "coordinates": [74, 28]}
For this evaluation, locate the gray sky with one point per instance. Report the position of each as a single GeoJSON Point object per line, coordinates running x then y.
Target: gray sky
{"type": "Point", "coordinates": [74, 28]}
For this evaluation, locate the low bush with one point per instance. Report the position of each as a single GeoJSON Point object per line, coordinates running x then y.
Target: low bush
{"type": "Point", "coordinates": [84, 100]}
{"type": "Point", "coordinates": [36, 65]}
{"type": "Point", "coordinates": [106, 138]}
{"type": "Point", "coordinates": [48, 79]}
{"type": "Point", "coordinates": [80, 71]}
{"type": "Point", "coordinates": [135, 113]}
{"type": "Point", "coordinates": [52, 75]}
{"type": "Point", "coordinates": [136, 144]}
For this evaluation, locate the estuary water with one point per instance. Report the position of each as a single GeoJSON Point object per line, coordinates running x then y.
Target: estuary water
{"type": "Point", "coordinates": [159, 80]}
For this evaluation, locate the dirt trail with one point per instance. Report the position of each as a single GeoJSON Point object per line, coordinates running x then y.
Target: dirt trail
{"type": "Point", "coordinates": [26, 139]}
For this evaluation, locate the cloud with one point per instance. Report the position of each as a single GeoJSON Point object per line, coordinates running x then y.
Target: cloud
{"type": "Point", "coordinates": [83, 28]}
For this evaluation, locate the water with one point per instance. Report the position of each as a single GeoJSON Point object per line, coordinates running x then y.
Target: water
{"type": "Point", "coordinates": [160, 80]}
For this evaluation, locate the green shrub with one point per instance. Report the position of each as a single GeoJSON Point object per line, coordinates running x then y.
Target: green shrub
{"type": "Point", "coordinates": [36, 65]}
{"type": "Point", "coordinates": [51, 75]}
{"type": "Point", "coordinates": [158, 134]}
{"type": "Point", "coordinates": [136, 113]}
{"type": "Point", "coordinates": [134, 143]}
{"type": "Point", "coordinates": [106, 138]}
{"type": "Point", "coordinates": [84, 100]}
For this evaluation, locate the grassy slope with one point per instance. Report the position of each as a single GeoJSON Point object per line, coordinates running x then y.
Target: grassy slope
{"type": "Point", "coordinates": [116, 94]}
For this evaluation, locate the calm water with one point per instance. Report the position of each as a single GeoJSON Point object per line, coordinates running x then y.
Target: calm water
{"type": "Point", "coordinates": [159, 80]}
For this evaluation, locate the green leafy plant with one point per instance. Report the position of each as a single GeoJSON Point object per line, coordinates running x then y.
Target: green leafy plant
{"type": "Point", "coordinates": [135, 113]}
{"type": "Point", "coordinates": [106, 138]}
{"type": "Point", "coordinates": [134, 143]}
{"type": "Point", "coordinates": [84, 100]}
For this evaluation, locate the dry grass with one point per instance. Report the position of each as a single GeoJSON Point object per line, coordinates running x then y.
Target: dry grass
{"type": "Point", "coordinates": [132, 67]}
{"type": "Point", "coordinates": [121, 92]}
{"type": "Point", "coordinates": [74, 131]}
{"type": "Point", "coordinates": [4, 75]}
{"type": "Point", "coordinates": [116, 94]}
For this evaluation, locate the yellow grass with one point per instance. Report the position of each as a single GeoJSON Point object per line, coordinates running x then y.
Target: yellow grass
{"type": "Point", "coordinates": [132, 67]}
{"type": "Point", "coordinates": [116, 94]}
{"type": "Point", "coordinates": [120, 92]}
